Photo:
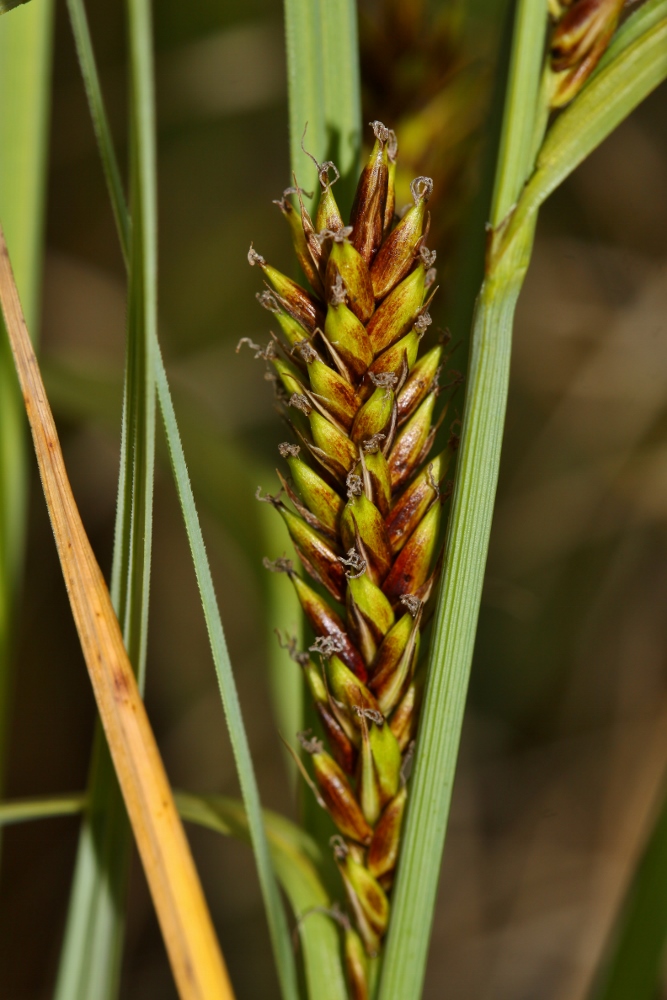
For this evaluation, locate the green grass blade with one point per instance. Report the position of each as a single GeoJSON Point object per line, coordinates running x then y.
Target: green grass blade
{"type": "Point", "coordinates": [84, 51]}
{"type": "Point", "coordinates": [282, 613]}
{"type": "Point", "coordinates": [324, 90]}
{"type": "Point", "coordinates": [294, 855]}
{"type": "Point", "coordinates": [92, 948]}
{"type": "Point", "coordinates": [275, 914]}
{"type": "Point", "coordinates": [24, 810]}
{"type": "Point", "coordinates": [25, 64]}
{"type": "Point", "coordinates": [605, 101]}
{"type": "Point", "coordinates": [469, 529]}
{"type": "Point", "coordinates": [516, 154]}
{"type": "Point", "coordinates": [634, 964]}
{"type": "Point", "coordinates": [342, 93]}
{"type": "Point", "coordinates": [305, 88]}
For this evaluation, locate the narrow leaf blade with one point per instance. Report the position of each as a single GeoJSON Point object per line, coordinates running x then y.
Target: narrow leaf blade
{"type": "Point", "coordinates": [92, 947]}
{"type": "Point", "coordinates": [450, 658]}
{"type": "Point", "coordinates": [293, 854]}
{"type": "Point", "coordinates": [186, 925]}
{"type": "Point", "coordinates": [24, 810]}
{"type": "Point", "coordinates": [633, 965]}
{"type": "Point", "coordinates": [274, 910]}
{"type": "Point", "coordinates": [339, 45]}
{"type": "Point", "coordinates": [25, 62]}
{"type": "Point", "coordinates": [305, 87]}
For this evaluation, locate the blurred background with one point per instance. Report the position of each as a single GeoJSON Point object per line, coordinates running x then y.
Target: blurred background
{"type": "Point", "coordinates": [565, 741]}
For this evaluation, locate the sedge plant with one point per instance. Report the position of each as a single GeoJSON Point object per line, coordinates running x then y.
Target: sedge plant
{"type": "Point", "coordinates": [363, 506]}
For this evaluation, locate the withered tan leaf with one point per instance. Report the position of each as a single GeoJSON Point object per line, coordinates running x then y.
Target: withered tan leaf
{"type": "Point", "coordinates": [192, 947]}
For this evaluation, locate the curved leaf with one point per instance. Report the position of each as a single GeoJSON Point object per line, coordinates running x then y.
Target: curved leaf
{"type": "Point", "coordinates": [275, 914]}
{"type": "Point", "coordinates": [179, 901]}
{"type": "Point", "coordinates": [294, 855]}
{"type": "Point", "coordinates": [23, 810]}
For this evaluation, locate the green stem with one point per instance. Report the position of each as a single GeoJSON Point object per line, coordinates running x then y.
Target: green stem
{"type": "Point", "coordinates": [25, 64]}
{"type": "Point", "coordinates": [92, 949]}
{"type": "Point", "coordinates": [454, 632]}
{"type": "Point", "coordinates": [517, 148]}
{"type": "Point", "coordinates": [305, 87]}
{"type": "Point", "coordinates": [23, 810]}
{"type": "Point", "coordinates": [469, 529]}
{"type": "Point", "coordinates": [638, 65]}
{"type": "Point", "coordinates": [278, 930]}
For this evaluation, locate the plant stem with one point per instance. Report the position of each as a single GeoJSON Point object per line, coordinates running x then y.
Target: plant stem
{"type": "Point", "coordinates": [638, 65]}
{"type": "Point", "coordinates": [172, 878]}
{"type": "Point", "coordinates": [25, 63]}
{"type": "Point", "coordinates": [92, 949]}
{"type": "Point", "coordinates": [455, 629]}
{"type": "Point", "coordinates": [517, 153]}
{"type": "Point", "coordinates": [324, 91]}
{"type": "Point", "coordinates": [468, 532]}
{"type": "Point", "coordinates": [23, 810]}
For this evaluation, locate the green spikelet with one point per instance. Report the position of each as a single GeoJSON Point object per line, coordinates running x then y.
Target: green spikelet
{"type": "Point", "coordinates": [366, 506]}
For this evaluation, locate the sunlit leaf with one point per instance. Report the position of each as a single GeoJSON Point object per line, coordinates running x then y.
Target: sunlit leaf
{"type": "Point", "coordinates": [609, 97]}
{"type": "Point", "coordinates": [179, 901]}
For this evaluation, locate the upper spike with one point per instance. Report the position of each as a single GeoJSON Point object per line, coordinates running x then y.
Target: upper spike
{"type": "Point", "coordinates": [363, 505]}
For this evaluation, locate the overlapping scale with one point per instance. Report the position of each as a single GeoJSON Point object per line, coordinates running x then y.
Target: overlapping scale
{"type": "Point", "coordinates": [363, 504]}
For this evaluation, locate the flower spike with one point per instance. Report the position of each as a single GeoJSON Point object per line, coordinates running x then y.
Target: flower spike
{"type": "Point", "coordinates": [363, 500]}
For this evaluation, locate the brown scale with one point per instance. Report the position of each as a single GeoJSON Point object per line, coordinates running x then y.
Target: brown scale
{"type": "Point", "coordinates": [363, 500]}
